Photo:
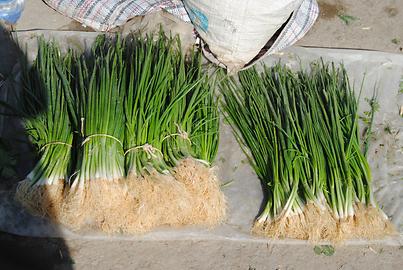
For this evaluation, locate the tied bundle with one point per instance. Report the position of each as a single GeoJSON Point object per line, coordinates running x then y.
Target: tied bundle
{"type": "Point", "coordinates": [301, 134]}
{"type": "Point", "coordinates": [140, 135]}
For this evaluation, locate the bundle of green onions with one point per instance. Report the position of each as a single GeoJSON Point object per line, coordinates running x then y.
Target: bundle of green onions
{"type": "Point", "coordinates": [170, 110]}
{"type": "Point", "coordinates": [44, 108]}
{"type": "Point", "coordinates": [172, 122]}
{"type": "Point", "coordinates": [300, 132]}
{"type": "Point", "coordinates": [45, 111]}
{"type": "Point", "coordinates": [130, 109]}
{"type": "Point", "coordinates": [99, 96]}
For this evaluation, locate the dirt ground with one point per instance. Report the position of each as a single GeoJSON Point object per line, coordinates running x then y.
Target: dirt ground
{"type": "Point", "coordinates": [373, 24]}
{"type": "Point", "coordinates": [360, 24]}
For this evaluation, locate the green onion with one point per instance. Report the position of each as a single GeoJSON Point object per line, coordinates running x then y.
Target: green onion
{"type": "Point", "coordinates": [100, 94]}
{"type": "Point", "coordinates": [169, 108]}
{"type": "Point", "coordinates": [131, 108]}
{"type": "Point", "coordinates": [45, 111]}
{"type": "Point", "coordinates": [134, 104]}
{"type": "Point", "coordinates": [150, 75]}
{"type": "Point", "coordinates": [300, 133]}
{"type": "Point", "coordinates": [205, 122]}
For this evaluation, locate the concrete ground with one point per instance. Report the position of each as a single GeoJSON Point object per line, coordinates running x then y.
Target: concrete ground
{"type": "Point", "coordinates": [178, 255]}
{"type": "Point", "coordinates": [360, 24]}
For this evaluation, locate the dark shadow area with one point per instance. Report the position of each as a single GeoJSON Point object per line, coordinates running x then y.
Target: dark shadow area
{"type": "Point", "coordinates": [269, 43]}
{"type": "Point", "coordinates": [33, 253]}
{"type": "Point", "coordinates": [17, 158]}
{"type": "Point", "coordinates": [265, 193]}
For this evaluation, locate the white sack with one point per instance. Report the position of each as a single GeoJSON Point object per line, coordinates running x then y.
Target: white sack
{"type": "Point", "coordinates": [236, 30]}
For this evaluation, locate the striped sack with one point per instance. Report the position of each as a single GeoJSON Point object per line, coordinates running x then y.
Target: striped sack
{"type": "Point", "coordinates": [104, 15]}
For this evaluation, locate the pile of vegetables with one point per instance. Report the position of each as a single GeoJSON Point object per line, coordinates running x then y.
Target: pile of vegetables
{"type": "Point", "coordinates": [126, 135]}
{"type": "Point", "coordinates": [300, 132]}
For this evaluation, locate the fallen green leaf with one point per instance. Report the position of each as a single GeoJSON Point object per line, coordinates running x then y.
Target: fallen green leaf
{"type": "Point", "coordinates": [328, 250]}
{"type": "Point", "coordinates": [347, 19]}
{"type": "Point", "coordinates": [395, 41]}
{"type": "Point", "coordinates": [226, 184]}
{"type": "Point", "coordinates": [317, 250]}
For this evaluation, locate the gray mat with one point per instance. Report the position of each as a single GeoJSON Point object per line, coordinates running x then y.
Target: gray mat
{"type": "Point", "coordinates": [383, 71]}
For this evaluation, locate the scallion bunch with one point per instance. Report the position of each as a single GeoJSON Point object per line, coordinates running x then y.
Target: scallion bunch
{"type": "Point", "coordinates": [99, 94]}
{"type": "Point", "coordinates": [132, 108]}
{"type": "Point", "coordinates": [168, 106]}
{"type": "Point", "coordinates": [44, 108]}
{"type": "Point", "coordinates": [300, 132]}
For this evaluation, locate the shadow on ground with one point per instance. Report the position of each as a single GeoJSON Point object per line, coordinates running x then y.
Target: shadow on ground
{"type": "Point", "coordinates": [17, 158]}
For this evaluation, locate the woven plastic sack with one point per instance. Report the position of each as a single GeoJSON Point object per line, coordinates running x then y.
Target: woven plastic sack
{"type": "Point", "coordinates": [103, 15]}
{"type": "Point", "coordinates": [236, 31]}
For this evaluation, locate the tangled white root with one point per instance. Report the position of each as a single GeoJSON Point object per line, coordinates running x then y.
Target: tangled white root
{"type": "Point", "coordinates": [191, 195]}
{"type": "Point", "coordinates": [317, 224]}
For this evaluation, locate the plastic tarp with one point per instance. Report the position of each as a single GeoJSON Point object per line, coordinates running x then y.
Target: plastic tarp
{"type": "Point", "coordinates": [382, 71]}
